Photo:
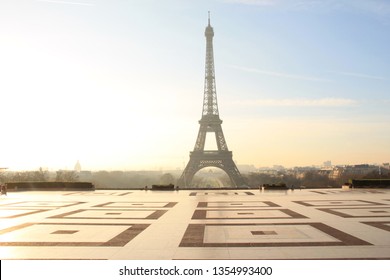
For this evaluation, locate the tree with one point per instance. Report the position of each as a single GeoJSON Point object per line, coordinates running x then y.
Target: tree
{"type": "Point", "coordinates": [315, 180]}
{"type": "Point", "coordinates": [258, 179]}
{"type": "Point", "coordinates": [66, 176]}
{"type": "Point", "coordinates": [28, 176]}
{"type": "Point", "coordinates": [167, 179]}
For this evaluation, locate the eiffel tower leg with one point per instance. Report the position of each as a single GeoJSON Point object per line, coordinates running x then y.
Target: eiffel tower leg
{"type": "Point", "coordinates": [186, 177]}
{"type": "Point", "coordinates": [234, 174]}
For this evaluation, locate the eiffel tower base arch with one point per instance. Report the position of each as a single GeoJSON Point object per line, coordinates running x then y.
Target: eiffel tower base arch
{"type": "Point", "coordinates": [220, 159]}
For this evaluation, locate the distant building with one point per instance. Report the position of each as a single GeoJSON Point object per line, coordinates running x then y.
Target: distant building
{"type": "Point", "coordinates": [77, 167]}
{"type": "Point", "coordinates": [327, 163]}
{"type": "Point", "coordinates": [304, 168]}
{"type": "Point", "coordinates": [352, 170]}
{"type": "Point", "coordinates": [246, 168]}
{"type": "Point", "coordinates": [278, 167]}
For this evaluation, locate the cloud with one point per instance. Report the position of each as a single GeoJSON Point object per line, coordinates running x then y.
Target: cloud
{"type": "Point", "coordinates": [280, 74]}
{"type": "Point", "coordinates": [67, 2]}
{"type": "Point", "coordinates": [322, 102]}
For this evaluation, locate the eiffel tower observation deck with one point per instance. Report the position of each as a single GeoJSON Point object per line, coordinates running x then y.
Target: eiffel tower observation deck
{"type": "Point", "coordinates": [210, 122]}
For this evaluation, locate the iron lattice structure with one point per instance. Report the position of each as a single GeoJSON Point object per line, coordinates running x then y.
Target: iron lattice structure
{"type": "Point", "coordinates": [210, 122]}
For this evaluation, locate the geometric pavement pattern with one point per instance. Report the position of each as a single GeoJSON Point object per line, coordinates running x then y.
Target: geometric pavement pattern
{"type": "Point", "coordinates": [266, 235]}
{"type": "Point", "coordinates": [190, 224]}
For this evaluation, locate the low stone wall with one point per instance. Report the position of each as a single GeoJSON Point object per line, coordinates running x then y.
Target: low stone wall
{"type": "Point", "coordinates": [169, 187]}
{"type": "Point", "coordinates": [370, 183]}
{"type": "Point", "coordinates": [50, 186]}
{"type": "Point", "coordinates": [280, 186]}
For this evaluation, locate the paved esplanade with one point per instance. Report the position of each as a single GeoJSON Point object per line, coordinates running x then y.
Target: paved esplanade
{"type": "Point", "coordinates": [196, 224]}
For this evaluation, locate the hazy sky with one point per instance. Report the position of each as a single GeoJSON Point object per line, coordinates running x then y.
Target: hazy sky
{"type": "Point", "coordinates": [118, 84]}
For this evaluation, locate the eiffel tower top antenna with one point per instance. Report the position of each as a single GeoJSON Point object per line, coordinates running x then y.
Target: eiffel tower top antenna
{"type": "Point", "coordinates": [210, 104]}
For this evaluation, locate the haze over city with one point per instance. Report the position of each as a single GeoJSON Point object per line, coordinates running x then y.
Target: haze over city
{"type": "Point", "coordinates": [119, 84]}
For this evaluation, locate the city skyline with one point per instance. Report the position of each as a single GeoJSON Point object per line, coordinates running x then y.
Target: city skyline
{"type": "Point", "coordinates": [298, 82]}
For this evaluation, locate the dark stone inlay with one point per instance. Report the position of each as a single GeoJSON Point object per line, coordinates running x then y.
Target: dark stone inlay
{"type": "Point", "coordinates": [65, 232]}
{"type": "Point", "coordinates": [219, 193]}
{"type": "Point", "coordinates": [201, 214]}
{"type": "Point", "coordinates": [55, 204]}
{"type": "Point", "coordinates": [6, 230]}
{"type": "Point", "coordinates": [126, 193]}
{"type": "Point", "coordinates": [319, 192]}
{"type": "Point", "coordinates": [339, 213]}
{"type": "Point", "coordinates": [263, 232]}
{"type": "Point", "coordinates": [237, 204]}
{"type": "Point", "coordinates": [385, 225]}
{"type": "Point", "coordinates": [379, 211]}
{"type": "Point", "coordinates": [118, 241]}
{"type": "Point", "coordinates": [113, 213]}
{"type": "Point", "coordinates": [89, 193]}
{"type": "Point", "coordinates": [153, 216]}
{"type": "Point", "coordinates": [194, 237]}
{"type": "Point", "coordinates": [202, 204]}
{"type": "Point", "coordinates": [32, 211]}
{"type": "Point", "coordinates": [245, 213]}
{"type": "Point", "coordinates": [157, 214]}
{"type": "Point", "coordinates": [332, 202]}
{"type": "Point", "coordinates": [136, 205]}
{"type": "Point", "coordinates": [72, 193]}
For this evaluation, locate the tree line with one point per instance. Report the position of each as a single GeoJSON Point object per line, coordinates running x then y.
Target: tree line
{"type": "Point", "coordinates": [134, 179]}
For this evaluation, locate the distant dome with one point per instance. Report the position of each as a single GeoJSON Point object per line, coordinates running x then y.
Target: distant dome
{"type": "Point", "coordinates": [77, 166]}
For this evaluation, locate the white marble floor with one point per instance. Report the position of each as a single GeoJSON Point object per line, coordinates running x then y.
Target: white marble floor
{"type": "Point", "coordinates": [191, 224]}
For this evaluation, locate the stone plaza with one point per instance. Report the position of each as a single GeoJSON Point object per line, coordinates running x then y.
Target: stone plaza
{"type": "Point", "coordinates": [234, 224]}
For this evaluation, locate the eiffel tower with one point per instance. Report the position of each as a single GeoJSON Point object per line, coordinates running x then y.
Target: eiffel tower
{"type": "Point", "coordinates": [210, 122]}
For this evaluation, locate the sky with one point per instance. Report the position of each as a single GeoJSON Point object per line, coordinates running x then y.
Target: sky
{"type": "Point", "coordinates": [118, 84]}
